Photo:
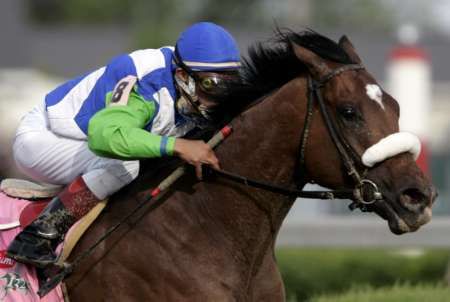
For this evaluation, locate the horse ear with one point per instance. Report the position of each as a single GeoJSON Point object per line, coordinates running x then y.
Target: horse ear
{"type": "Point", "coordinates": [315, 64]}
{"type": "Point", "coordinates": [348, 47]}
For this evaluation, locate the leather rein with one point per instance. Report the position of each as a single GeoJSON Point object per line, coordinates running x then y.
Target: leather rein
{"type": "Point", "coordinates": [365, 191]}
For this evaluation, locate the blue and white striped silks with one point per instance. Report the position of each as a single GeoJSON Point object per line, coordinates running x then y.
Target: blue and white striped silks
{"type": "Point", "coordinates": [71, 105]}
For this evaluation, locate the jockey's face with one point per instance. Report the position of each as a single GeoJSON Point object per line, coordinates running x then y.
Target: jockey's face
{"type": "Point", "coordinates": [202, 90]}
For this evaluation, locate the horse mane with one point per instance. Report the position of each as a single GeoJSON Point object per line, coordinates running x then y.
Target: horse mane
{"type": "Point", "coordinates": [271, 64]}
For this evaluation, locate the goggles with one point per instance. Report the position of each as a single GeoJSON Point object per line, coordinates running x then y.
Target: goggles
{"type": "Point", "coordinates": [209, 82]}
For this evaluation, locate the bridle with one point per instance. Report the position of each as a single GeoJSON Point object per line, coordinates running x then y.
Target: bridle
{"type": "Point", "coordinates": [365, 191]}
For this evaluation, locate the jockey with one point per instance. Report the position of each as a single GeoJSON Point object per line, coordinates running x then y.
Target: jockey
{"type": "Point", "coordinates": [90, 132]}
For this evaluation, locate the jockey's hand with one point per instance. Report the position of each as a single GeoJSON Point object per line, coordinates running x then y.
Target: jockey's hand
{"type": "Point", "coordinates": [196, 153]}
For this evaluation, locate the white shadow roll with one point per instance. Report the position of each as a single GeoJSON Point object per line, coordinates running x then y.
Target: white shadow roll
{"type": "Point", "coordinates": [390, 146]}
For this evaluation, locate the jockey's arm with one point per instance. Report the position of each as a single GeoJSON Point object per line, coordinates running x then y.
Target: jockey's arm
{"type": "Point", "coordinates": [118, 132]}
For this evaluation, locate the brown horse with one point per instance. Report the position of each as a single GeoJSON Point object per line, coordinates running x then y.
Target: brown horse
{"type": "Point", "coordinates": [214, 241]}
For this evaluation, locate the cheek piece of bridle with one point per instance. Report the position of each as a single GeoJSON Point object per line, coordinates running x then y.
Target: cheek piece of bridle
{"type": "Point", "coordinates": [365, 191]}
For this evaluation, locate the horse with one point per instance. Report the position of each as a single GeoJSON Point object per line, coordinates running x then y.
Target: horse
{"type": "Point", "coordinates": [214, 240]}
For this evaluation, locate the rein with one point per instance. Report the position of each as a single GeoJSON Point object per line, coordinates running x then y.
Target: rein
{"type": "Point", "coordinates": [341, 194]}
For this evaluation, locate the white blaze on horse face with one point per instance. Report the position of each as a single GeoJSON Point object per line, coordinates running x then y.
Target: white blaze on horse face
{"type": "Point", "coordinates": [390, 146]}
{"type": "Point", "coordinates": [374, 92]}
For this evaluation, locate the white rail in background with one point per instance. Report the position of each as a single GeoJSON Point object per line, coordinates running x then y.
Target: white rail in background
{"type": "Point", "coordinates": [342, 231]}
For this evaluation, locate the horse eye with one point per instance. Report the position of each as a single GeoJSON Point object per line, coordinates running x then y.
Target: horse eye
{"type": "Point", "coordinates": [348, 112]}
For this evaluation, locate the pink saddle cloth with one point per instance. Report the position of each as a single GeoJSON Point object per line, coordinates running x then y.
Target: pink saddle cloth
{"type": "Point", "coordinates": [18, 282]}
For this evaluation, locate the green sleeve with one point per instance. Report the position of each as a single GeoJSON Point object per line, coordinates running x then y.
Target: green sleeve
{"type": "Point", "coordinates": [117, 131]}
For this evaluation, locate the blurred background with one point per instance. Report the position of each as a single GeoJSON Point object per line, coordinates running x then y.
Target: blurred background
{"type": "Point", "coordinates": [323, 248]}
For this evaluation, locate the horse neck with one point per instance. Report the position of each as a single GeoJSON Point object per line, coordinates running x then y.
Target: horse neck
{"type": "Point", "coordinates": [264, 145]}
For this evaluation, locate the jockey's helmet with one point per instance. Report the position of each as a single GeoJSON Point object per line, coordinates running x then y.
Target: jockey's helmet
{"type": "Point", "coordinates": [210, 57]}
{"type": "Point", "coordinates": [206, 46]}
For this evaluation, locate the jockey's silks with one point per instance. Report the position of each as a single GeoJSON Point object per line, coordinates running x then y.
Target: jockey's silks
{"type": "Point", "coordinates": [71, 106]}
{"type": "Point", "coordinates": [117, 131]}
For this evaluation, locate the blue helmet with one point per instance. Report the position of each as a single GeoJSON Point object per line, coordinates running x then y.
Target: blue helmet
{"type": "Point", "coordinates": [206, 46]}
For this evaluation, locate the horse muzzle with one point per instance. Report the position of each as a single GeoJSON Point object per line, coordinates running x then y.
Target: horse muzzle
{"type": "Point", "coordinates": [407, 208]}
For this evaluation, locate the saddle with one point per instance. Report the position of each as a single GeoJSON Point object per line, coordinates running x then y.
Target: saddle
{"type": "Point", "coordinates": [40, 195]}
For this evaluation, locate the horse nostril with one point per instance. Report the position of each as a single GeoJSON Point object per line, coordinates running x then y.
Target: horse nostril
{"type": "Point", "coordinates": [414, 199]}
{"type": "Point", "coordinates": [415, 195]}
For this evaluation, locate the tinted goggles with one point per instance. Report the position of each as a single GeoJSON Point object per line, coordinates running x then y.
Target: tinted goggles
{"type": "Point", "coordinates": [210, 83]}
{"type": "Point", "coordinates": [213, 83]}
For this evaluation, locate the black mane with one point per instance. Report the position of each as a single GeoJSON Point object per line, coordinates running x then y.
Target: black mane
{"type": "Point", "coordinates": [271, 64]}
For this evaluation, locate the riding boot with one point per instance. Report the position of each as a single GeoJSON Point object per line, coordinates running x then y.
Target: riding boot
{"type": "Point", "coordinates": [36, 244]}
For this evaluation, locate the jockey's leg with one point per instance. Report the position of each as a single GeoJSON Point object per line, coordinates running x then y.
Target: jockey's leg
{"type": "Point", "coordinates": [60, 160]}
{"type": "Point", "coordinates": [37, 242]}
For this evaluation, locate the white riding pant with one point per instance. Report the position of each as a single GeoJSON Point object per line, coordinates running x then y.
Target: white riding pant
{"type": "Point", "coordinates": [50, 158]}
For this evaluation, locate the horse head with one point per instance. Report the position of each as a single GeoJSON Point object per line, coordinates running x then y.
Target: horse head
{"type": "Point", "coordinates": [366, 122]}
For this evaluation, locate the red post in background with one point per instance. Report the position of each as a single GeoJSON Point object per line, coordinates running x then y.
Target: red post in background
{"type": "Point", "coordinates": [409, 82]}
